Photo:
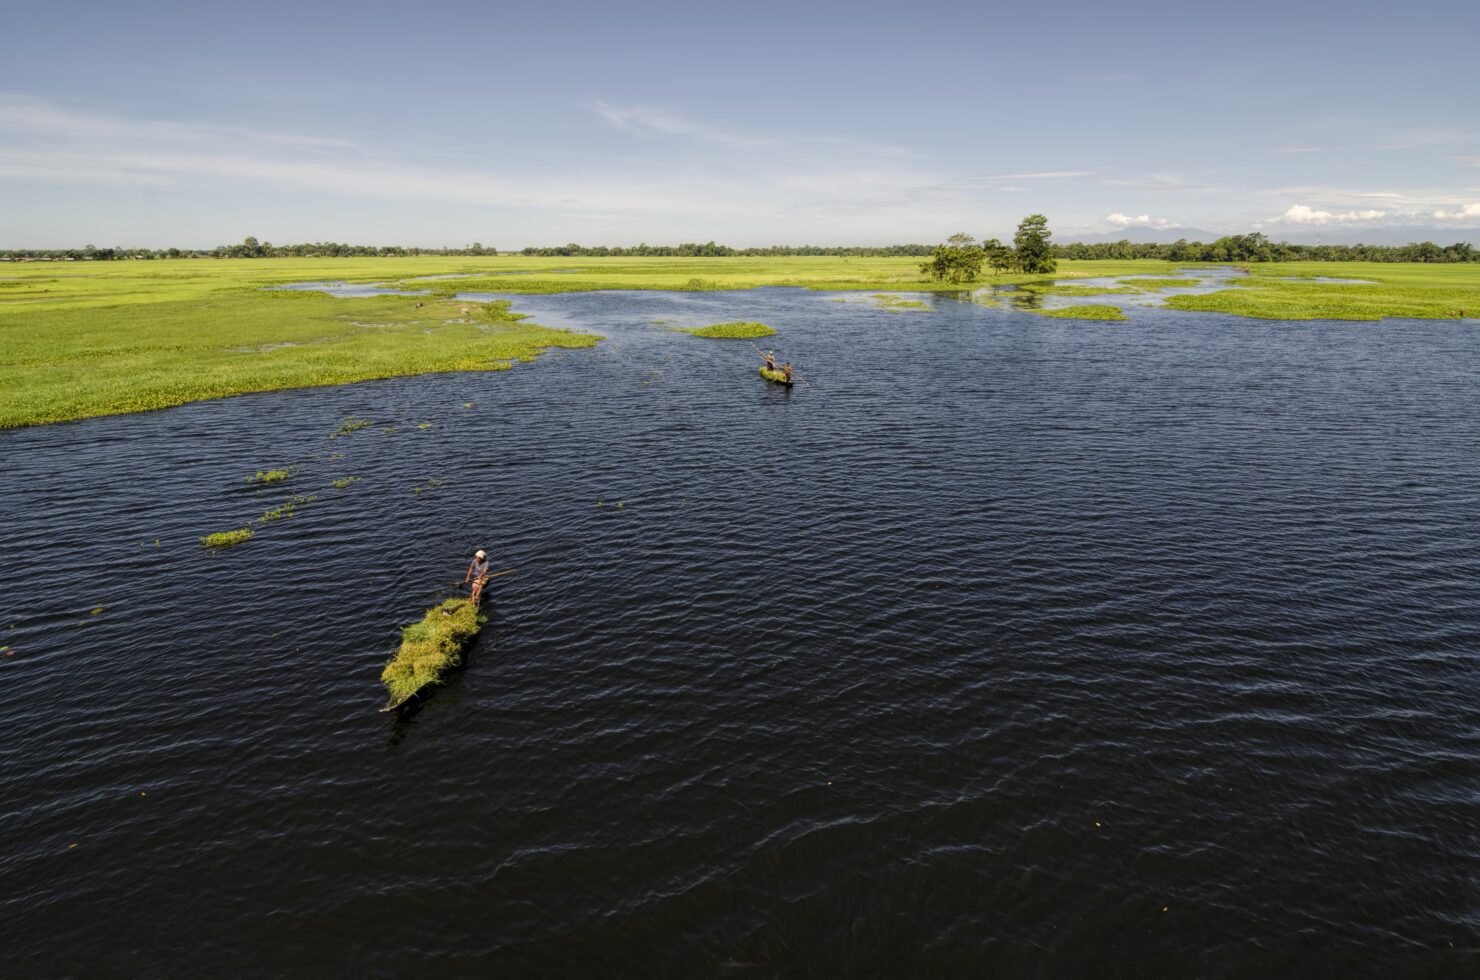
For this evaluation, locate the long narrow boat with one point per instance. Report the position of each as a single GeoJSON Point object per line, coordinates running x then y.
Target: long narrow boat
{"type": "Point", "coordinates": [779, 377]}
{"type": "Point", "coordinates": [430, 649]}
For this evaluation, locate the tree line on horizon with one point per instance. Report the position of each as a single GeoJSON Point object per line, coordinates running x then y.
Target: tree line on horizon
{"type": "Point", "coordinates": [1255, 247]}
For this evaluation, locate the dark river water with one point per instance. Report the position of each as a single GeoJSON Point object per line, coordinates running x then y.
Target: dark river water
{"type": "Point", "coordinates": [1012, 646]}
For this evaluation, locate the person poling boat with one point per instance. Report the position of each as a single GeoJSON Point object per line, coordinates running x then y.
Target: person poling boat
{"type": "Point", "coordinates": [770, 358]}
{"type": "Point", "coordinates": [478, 575]}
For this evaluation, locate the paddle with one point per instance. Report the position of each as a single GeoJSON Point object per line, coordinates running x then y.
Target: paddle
{"type": "Point", "coordinates": [794, 375]}
{"type": "Point", "coordinates": [513, 568]}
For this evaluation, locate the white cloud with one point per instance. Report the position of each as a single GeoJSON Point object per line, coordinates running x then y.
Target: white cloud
{"type": "Point", "coordinates": [1140, 221]}
{"type": "Point", "coordinates": [1463, 213]}
{"type": "Point", "coordinates": [1304, 214]}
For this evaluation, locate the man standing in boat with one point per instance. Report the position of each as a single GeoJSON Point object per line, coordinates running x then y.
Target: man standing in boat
{"type": "Point", "coordinates": [785, 369]}
{"type": "Point", "coordinates": [477, 574]}
{"type": "Point", "coordinates": [770, 358]}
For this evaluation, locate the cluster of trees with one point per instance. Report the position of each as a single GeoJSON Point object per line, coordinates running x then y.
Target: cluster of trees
{"type": "Point", "coordinates": [693, 250]}
{"type": "Point", "coordinates": [961, 259]}
{"type": "Point", "coordinates": [1258, 248]}
{"type": "Point", "coordinates": [248, 248]}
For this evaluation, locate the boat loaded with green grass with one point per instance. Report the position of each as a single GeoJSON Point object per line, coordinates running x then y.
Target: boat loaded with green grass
{"type": "Point", "coordinates": [779, 377]}
{"type": "Point", "coordinates": [430, 649]}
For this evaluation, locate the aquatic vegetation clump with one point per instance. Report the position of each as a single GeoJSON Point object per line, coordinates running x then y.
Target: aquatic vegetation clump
{"type": "Point", "coordinates": [343, 482]}
{"type": "Point", "coordinates": [1086, 312]}
{"type": "Point", "coordinates": [286, 508]}
{"type": "Point", "coordinates": [897, 304]}
{"type": "Point", "coordinates": [269, 476]}
{"type": "Point", "coordinates": [350, 425]}
{"type": "Point", "coordinates": [225, 539]}
{"type": "Point", "coordinates": [430, 648]}
{"type": "Point", "coordinates": [733, 330]}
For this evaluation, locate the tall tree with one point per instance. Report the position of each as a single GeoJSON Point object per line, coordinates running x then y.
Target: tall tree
{"type": "Point", "coordinates": [999, 256]}
{"type": "Point", "coordinates": [958, 260]}
{"type": "Point", "coordinates": [1034, 253]}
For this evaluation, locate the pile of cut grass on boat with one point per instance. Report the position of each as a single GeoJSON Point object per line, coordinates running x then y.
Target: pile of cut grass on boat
{"type": "Point", "coordinates": [734, 330]}
{"type": "Point", "coordinates": [430, 648]}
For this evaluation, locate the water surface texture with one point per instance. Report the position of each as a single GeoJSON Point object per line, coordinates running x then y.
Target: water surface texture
{"type": "Point", "coordinates": [1012, 645]}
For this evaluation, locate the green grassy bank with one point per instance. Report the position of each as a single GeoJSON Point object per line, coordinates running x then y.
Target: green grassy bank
{"type": "Point", "coordinates": [1290, 291]}
{"type": "Point", "coordinates": [81, 339]}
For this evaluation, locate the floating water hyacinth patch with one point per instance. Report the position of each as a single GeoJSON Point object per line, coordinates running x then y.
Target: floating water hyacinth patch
{"type": "Point", "coordinates": [226, 539]}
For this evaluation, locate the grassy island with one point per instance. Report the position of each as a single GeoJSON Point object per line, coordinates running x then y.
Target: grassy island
{"type": "Point", "coordinates": [1086, 312]}
{"type": "Point", "coordinates": [734, 330]}
{"type": "Point", "coordinates": [430, 648]}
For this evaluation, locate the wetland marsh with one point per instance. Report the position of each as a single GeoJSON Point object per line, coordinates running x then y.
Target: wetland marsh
{"type": "Point", "coordinates": [86, 339]}
{"type": "Point", "coordinates": [1013, 640]}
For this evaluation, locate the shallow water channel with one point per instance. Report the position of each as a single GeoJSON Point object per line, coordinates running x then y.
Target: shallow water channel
{"type": "Point", "coordinates": [1038, 646]}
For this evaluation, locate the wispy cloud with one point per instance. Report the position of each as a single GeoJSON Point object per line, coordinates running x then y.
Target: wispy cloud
{"type": "Point", "coordinates": [47, 141]}
{"type": "Point", "coordinates": [663, 121]}
{"type": "Point", "coordinates": [1039, 175]}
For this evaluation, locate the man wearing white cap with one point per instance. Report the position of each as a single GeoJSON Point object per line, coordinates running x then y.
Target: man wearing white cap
{"type": "Point", "coordinates": [477, 574]}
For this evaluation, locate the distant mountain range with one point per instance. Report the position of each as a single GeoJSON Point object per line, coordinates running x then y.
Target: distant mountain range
{"type": "Point", "coordinates": [1325, 236]}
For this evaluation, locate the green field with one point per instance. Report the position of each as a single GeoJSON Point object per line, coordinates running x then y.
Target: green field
{"type": "Point", "coordinates": [1287, 291]}
{"type": "Point", "coordinates": [82, 339]}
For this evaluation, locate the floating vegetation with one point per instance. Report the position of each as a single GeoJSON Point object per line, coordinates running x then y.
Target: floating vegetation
{"type": "Point", "coordinates": [424, 425]}
{"type": "Point", "coordinates": [269, 476]}
{"type": "Point", "coordinates": [1086, 312]}
{"type": "Point", "coordinates": [225, 539]}
{"type": "Point", "coordinates": [735, 329]}
{"type": "Point", "coordinates": [467, 404]}
{"type": "Point", "coordinates": [286, 508]}
{"type": "Point", "coordinates": [337, 455]}
{"type": "Point", "coordinates": [343, 482]}
{"type": "Point", "coordinates": [350, 425]}
{"type": "Point", "coordinates": [430, 648]}
{"type": "Point", "coordinates": [388, 429]}
{"type": "Point", "coordinates": [886, 301]}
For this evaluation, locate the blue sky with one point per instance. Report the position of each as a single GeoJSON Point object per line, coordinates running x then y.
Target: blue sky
{"type": "Point", "coordinates": [861, 123]}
